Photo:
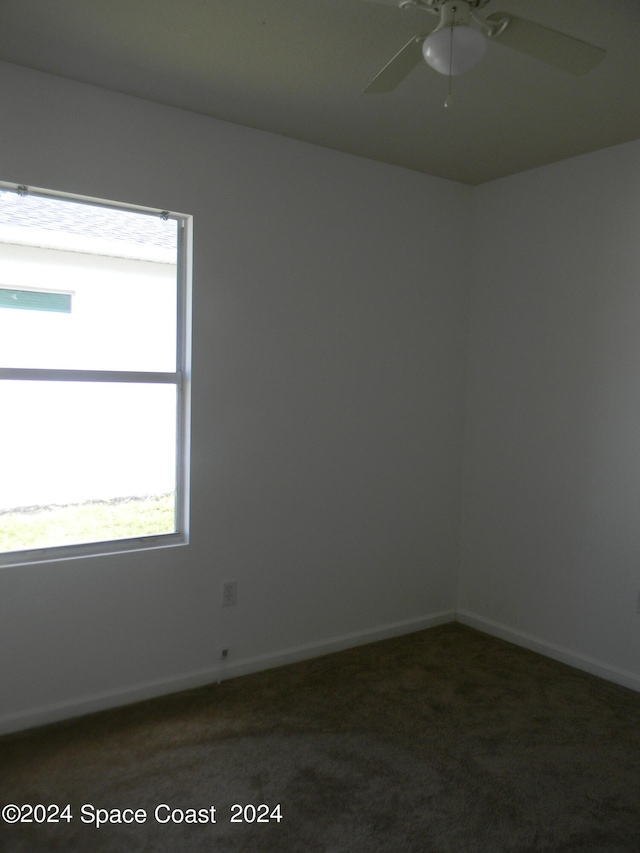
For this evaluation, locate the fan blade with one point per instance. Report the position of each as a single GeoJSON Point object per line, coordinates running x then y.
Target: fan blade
{"type": "Point", "coordinates": [550, 46]}
{"type": "Point", "coordinates": [397, 69]}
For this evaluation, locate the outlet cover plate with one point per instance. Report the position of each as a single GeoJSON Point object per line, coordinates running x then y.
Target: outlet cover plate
{"type": "Point", "coordinates": [229, 593]}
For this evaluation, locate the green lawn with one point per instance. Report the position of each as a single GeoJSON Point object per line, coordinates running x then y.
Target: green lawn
{"type": "Point", "coordinates": [95, 521]}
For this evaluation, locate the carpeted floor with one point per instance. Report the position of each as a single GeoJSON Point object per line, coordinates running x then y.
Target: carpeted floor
{"type": "Point", "coordinates": [445, 741]}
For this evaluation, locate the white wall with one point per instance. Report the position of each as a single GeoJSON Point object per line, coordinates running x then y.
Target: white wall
{"type": "Point", "coordinates": [551, 533]}
{"type": "Point", "coordinates": [329, 330]}
{"type": "Point", "coordinates": [136, 455]}
{"type": "Point", "coordinates": [329, 316]}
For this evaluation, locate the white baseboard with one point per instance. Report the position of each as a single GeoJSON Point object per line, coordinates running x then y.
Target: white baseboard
{"type": "Point", "coordinates": [228, 669]}
{"type": "Point", "coordinates": [579, 661]}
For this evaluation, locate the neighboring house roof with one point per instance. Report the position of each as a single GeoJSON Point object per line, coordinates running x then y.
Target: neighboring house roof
{"type": "Point", "coordinates": [86, 220]}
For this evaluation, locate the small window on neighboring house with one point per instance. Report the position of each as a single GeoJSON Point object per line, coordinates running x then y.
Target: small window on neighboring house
{"type": "Point", "coordinates": [35, 300]}
{"type": "Point", "coordinates": [94, 331]}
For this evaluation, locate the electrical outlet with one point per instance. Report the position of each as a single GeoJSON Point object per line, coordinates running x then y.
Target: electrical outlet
{"type": "Point", "coordinates": [229, 593]}
{"type": "Point", "coordinates": [224, 652]}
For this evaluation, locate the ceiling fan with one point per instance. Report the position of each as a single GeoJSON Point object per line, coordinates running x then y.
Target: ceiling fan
{"type": "Point", "coordinates": [459, 40]}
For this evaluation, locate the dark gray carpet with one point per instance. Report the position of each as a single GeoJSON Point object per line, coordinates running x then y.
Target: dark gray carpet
{"type": "Point", "coordinates": [445, 741]}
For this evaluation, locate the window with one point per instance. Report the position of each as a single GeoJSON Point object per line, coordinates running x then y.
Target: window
{"type": "Point", "coordinates": [94, 331]}
{"type": "Point", "coordinates": [35, 300]}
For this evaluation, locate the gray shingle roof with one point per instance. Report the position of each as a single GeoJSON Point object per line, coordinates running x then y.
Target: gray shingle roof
{"type": "Point", "coordinates": [87, 220]}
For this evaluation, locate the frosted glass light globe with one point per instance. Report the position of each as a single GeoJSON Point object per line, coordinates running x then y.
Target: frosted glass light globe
{"type": "Point", "coordinates": [468, 49]}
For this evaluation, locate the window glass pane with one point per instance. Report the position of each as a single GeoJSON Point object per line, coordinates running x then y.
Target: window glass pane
{"type": "Point", "coordinates": [85, 462]}
{"type": "Point", "coordinates": [100, 283]}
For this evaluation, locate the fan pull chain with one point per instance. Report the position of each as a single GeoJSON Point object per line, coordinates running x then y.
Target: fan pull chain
{"type": "Point", "coordinates": [449, 99]}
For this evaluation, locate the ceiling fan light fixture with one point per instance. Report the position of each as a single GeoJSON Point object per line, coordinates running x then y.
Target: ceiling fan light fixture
{"type": "Point", "coordinates": [453, 49]}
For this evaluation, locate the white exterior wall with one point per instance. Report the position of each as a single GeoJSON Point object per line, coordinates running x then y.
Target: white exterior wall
{"type": "Point", "coordinates": [78, 445]}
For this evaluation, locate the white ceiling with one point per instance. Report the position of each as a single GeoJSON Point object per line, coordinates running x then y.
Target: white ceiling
{"type": "Point", "coordinates": [298, 68]}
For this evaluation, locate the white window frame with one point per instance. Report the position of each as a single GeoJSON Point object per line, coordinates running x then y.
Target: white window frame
{"type": "Point", "coordinates": [180, 378]}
